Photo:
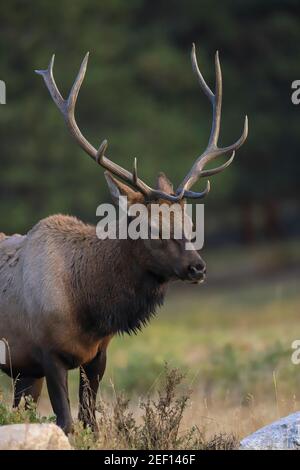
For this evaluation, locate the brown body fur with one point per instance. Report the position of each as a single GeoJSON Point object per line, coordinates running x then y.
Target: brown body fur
{"type": "Point", "coordinates": [56, 284]}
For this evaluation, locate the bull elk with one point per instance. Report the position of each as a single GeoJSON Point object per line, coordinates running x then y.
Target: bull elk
{"type": "Point", "coordinates": [64, 293]}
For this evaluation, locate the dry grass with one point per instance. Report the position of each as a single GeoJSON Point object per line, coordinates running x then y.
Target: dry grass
{"type": "Point", "coordinates": [159, 426]}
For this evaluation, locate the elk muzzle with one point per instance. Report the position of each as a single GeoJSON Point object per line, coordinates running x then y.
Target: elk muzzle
{"type": "Point", "coordinates": [197, 272]}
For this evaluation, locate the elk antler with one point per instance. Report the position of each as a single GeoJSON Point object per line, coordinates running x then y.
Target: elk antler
{"type": "Point", "coordinates": [212, 151]}
{"type": "Point", "coordinates": [67, 108]}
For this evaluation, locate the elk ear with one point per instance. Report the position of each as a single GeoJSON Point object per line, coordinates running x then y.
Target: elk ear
{"type": "Point", "coordinates": [117, 189]}
{"type": "Point", "coordinates": [164, 184]}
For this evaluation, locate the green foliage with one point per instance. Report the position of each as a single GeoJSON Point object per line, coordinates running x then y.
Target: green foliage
{"type": "Point", "coordinates": [82, 437]}
{"type": "Point", "coordinates": [26, 412]}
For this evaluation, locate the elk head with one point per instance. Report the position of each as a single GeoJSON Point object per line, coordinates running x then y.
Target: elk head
{"type": "Point", "coordinates": [166, 258]}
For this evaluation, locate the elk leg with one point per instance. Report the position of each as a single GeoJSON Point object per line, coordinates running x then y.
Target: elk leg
{"type": "Point", "coordinates": [57, 383]}
{"type": "Point", "coordinates": [90, 377]}
{"type": "Point", "coordinates": [27, 387]}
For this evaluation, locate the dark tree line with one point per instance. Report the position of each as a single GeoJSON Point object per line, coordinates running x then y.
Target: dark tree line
{"type": "Point", "coordinates": [141, 94]}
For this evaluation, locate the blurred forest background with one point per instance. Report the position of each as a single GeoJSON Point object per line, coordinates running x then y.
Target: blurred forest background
{"type": "Point", "coordinates": [141, 94]}
{"type": "Point", "coordinates": [234, 334]}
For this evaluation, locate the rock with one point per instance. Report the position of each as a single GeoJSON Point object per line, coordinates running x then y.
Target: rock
{"type": "Point", "coordinates": [282, 434]}
{"type": "Point", "coordinates": [33, 437]}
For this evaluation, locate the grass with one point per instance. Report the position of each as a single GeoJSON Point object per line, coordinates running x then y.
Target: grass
{"type": "Point", "coordinates": [231, 338]}
{"type": "Point", "coordinates": [159, 426]}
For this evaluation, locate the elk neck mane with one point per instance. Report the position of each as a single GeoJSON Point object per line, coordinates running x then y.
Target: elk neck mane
{"type": "Point", "coordinates": [110, 288]}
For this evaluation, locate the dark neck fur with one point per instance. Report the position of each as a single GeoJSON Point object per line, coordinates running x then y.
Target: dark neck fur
{"type": "Point", "coordinates": [112, 291]}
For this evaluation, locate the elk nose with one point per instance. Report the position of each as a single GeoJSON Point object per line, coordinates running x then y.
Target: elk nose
{"type": "Point", "coordinates": [197, 271]}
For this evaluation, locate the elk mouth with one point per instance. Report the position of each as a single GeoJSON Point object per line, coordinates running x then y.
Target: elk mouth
{"type": "Point", "coordinates": [199, 280]}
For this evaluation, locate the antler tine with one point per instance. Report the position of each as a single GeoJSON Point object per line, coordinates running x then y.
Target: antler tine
{"type": "Point", "coordinates": [101, 151]}
{"type": "Point", "coordinates": [51, 85]}
{"type": "Point", "coordinates": [71, 103]}
{"type": "Point", "coordinates": [239, 142]}
{"type": "Point", "coordinates": [194, 195]}
{"type": "Point", "coordinates": [67, 108]}
{"type": "Point", "coordinates": [214, 171]}
{"type": "Point", "coordinates": [134, 173]}
{"type": "Point", "coordinates": [212, 151]}
{"type": "Point", "coordinates": [217, 104]}
{"type": "Point", "coordinates": [215, 99]}
{"type": "Point", "coordinates": [197, 71]}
